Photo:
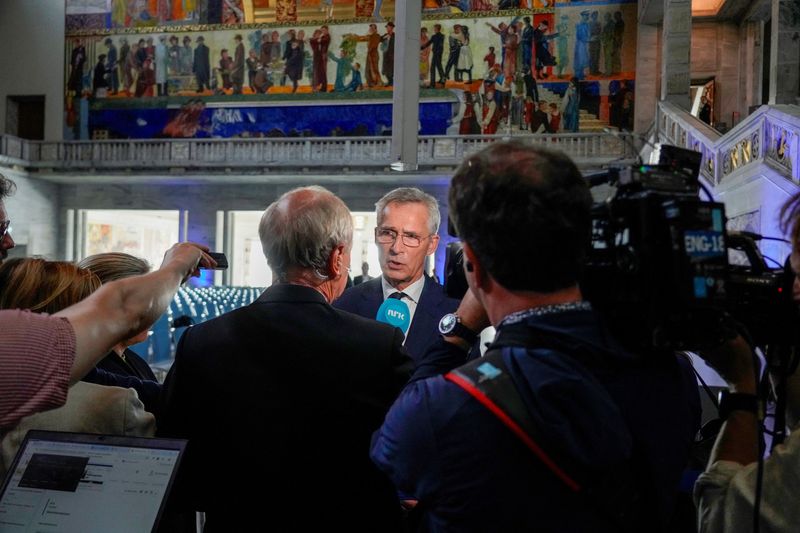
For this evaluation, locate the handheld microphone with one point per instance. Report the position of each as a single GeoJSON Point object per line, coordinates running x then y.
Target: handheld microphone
{"type": "Point", "coordinates": [395, 313]}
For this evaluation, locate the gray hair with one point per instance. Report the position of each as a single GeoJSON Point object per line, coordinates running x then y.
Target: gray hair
{"type": "Point", "coordinates": [6, 187]}
{"type": "Point", "coordinates": [301, 229]}
{"type": "Point", "coordinates": [408, 195]}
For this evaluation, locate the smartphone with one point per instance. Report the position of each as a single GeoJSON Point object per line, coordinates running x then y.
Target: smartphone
{"type": "Point", "coordinates": [219, 257]}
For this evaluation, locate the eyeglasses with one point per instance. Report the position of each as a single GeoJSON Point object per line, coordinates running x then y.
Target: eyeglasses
{"type": "Point", "coordinates": [389, 236]}
{"type": "Point", "coordinates": [5, 227]}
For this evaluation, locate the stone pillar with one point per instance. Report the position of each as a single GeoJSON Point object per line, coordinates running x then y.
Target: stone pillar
{"type": "Point", "coordinates": [784, 54]}
{"type": "Point", "coordinates": [405, 98]}
{"type": "Point", "coordinates": [647, 77]}
{"type": "Point", "coordinates": [676, 41]}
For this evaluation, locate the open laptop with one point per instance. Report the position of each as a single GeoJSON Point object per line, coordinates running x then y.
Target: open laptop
{"type": "Point", "coordinates": [80, 482]}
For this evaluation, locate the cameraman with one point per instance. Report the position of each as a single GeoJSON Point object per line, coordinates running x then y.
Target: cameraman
{"type": "Point", "coordinates": [725, 493]}
{"type": "Point", "coordinates": [619, 425]}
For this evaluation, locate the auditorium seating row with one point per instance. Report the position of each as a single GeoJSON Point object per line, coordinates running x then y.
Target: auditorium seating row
{"type": "Point", "coordinates": [191, 305]}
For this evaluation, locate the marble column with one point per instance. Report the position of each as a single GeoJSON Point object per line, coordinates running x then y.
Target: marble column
{"type": "Point", "coordinates": [405, 98]}
{"type": "Point", "coordinates": [676, 42]}
{"type": "Point", "coordinates": [784, 60]}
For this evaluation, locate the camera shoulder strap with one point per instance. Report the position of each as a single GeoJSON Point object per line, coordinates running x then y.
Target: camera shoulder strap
{"type": "Point", "coordinates": [613, 494]}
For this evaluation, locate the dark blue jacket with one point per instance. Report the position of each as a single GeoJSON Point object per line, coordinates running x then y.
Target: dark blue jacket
{"type": "Point", "coordinates": [471, 473]}
{"type": "Point", "coordinates": [365, 299]}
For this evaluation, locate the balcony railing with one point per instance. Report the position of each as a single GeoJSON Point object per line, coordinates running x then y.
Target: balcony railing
{"type": "Point", "coordinates": [771, 135]}
{"type": "Point", "coordinates": [341, 153]}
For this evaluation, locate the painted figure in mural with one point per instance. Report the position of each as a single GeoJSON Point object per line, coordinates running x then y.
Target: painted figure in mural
{"type": "Point", "coordinates": [76, 63]}
{"type": "Point", "coordinates": [454, 43]}
{"type": "Point", "coordinates": [294, 63]}
{"type": "Point", "coordinates": [150, 49]}
{"type": "Point", "coordinates": [543, 56]}
{"type": "Point", "coordinates": [570, 106]}
{"type": "Point", "coordinates": [355, 82]}
{"type": "Point", "coordinates": [510, 46]}
{"type": "Point", "coordinates": [131, 68]}
{"type": "Point", "coordinates": [118, 14]}
{"type": "Point", "coordinates": [376, 12]}
{"type": "Point", "coordinates": [555, 118]}
{"type": "Point", "coordinates": [562, 45]}
{"type": "Point", "coordinates": [424, 55]}
{"type": "Point", "coordinates": [262, 81]}
{"type": "Point", "coordinates": [607, 42]}
{"type": "Point", "coordinates": [124, 51]}
{"type": "Point", "coordinates": [526, 41]}
{"type": "Point", "coordinates": [469, 121]}
{"type": "Point", "coordinates": [582, 35]}
{"type": "Point", "coordinates": [388, 54]}
{"type": "Point", "coordinates": [319, 46]}
{"type": "Point", "coordinates": [481, 5]}
{"type": "Point", "coordinates": [619, 32]}
{"type": "Point", "coordinates": [327, 8]}
{"type": "Point", "coordinates": [364, 8]}
{"type": "Point", "coordinates": [201, 65]}
{"type": "Point", "coordinates": [187, 122]}
{"type": "Point", "coordinates": [270, 49]}
{"type": "Point", "coordinates": [174, 52]}
{"type": "Point", "coordinates": [164, 11]}
{"type": "Point", "coordinates": [344, 65]}
{"type": "Point", "coordinates": [146, 79]}
{"type": "Point", "coordinates": [489, 119]}
{"type": "Point", "coordinates": [531, 87]}
{"type": "Point", "coordinates": [518, 108]}
{"type": "Point", "coordinates": [373, 40]}
{"type": "Point", "coordinates": [187, 55]}
{"type": "Point", "coordinates": [237, 69]}
{"type": "Point", "coordinates": [595, 32]}
{"type": "Point", "coordinates": [436, 42]}
{"type": "Point", "coordinates": [490, 59]}
{"type": "Point", "coordinates": [99, 81]}
{"type": "Point", "coordinates": [161, 65]}
{"type": "Point", "coordinates": [540, 122]}
{"type": "Point", "coordinates": [111, 66]}
{"type": "Point", "coordinates": [464, 65]}
{"type": "Point", "coordinates": [225, 68]}
{"type": "Point", "coordinates": [252, 69]}
{"type": "Point", "coordinates": [232, 12]}
{"type": "Point", "coordinates": [502, 30]}
{"type": "Point", "coordinates": [291, 36]}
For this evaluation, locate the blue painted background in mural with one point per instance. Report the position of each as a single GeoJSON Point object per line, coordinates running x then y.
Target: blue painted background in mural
{"type": "Point", "coordinates": [290, 120]}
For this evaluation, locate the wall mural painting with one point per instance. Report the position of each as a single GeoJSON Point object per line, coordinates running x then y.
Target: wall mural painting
{"type": "Point", "coordinates": [157, 68]}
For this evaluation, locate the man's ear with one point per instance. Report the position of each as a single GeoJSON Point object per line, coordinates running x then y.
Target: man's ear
{"type": "Point", "coordinates": [433, 243]}
{"type": "Point", "coordinates": [473, 267]}
{"type": "Point", "coordinates": [335, 264]}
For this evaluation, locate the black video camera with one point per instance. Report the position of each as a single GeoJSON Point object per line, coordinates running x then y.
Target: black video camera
{"type": "Point", "coordinates": [658, 270]}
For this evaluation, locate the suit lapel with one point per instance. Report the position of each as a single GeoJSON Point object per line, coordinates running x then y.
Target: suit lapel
{"type": "Point", "coordinates": [424, 326]}
{"type": "Point", "coordinates": [371, 298]}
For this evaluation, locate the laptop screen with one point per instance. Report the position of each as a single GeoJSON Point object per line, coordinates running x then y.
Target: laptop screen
{"type": "Point", "coordinates": [76, 482]}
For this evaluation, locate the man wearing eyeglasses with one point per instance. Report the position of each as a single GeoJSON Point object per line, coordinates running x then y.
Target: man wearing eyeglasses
{"type": "Point", "coordinates": [408, 222]}
{"type": "Point", "coordinates": [6, 242]}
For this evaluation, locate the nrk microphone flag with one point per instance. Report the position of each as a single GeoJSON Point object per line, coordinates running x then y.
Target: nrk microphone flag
{"type": "Point", "coordinates": [395, 313]}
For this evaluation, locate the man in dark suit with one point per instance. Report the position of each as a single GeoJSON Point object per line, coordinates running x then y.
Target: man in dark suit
{"type": "Point", "coordinates": [408, 221]}
{"type": "Point", "coordinates": [201, 67]}
{"type": "Point", "coordinates": [437, 41]}
{"type": "Point", "coordinates": [279, 399]}
{"type": "Point", "coordinates": [364, 277]}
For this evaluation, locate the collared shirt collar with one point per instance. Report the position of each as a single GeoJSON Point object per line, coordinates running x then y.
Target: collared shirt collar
{"type": "Point", "coordinates": [413, 292]}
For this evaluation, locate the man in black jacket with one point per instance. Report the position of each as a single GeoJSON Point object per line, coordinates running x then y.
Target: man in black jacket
{"type": "Point", "coordinates": [437, 41]}
{"type": "Point", "coordinates": [287, 391]}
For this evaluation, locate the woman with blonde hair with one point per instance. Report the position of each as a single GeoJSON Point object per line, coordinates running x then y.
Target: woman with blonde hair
{"type": "Point", "coordinates": [111, 267]}
{"type": "Point", "coordinates": [48, 287]}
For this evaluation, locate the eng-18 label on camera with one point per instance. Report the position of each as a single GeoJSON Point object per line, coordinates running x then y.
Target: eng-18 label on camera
{"type": "Point", "coordinates": [700, 244]}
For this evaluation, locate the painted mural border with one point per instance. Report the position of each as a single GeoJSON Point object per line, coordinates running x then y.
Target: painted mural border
{"type": "Point", "coordinates": [188, 28]}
